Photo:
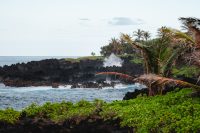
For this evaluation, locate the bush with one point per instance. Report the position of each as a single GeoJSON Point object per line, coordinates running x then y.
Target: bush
{"type": "Point", "coordinates": [9, 115]}
{"type": "Point", "coordinates": [174, 112]}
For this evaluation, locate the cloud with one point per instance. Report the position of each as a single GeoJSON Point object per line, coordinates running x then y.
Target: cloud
{"type": "Point", "coordinates": [84, 19]}
{"type": "Point", "coordinates": [123, 21]}
{"type": "Point", "coordinates": [86, 22]}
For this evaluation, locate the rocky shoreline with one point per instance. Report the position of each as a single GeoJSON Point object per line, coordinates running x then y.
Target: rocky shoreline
{"type": "Point", "coordinates": [55, 72]}
{"type": "Point", "coordinates": [90, 124]}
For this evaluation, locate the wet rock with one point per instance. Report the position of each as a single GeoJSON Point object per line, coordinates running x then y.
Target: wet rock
{"type": "Point", "coordinates": [85, 125]}
{"type": "Point", "coordinates": [55, 85]}
{"type": "Point", "coordinates": [60, 71]}
{"type": "Point", "coordinates": [132, 95]}
{"type": "Point", "coordinates": [93, 85]}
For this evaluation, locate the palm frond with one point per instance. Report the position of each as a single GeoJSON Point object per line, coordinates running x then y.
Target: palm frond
{"type": "Point", "coordinates": [153, 80]}
{"type": "Point", "coordinates": [169, 62]}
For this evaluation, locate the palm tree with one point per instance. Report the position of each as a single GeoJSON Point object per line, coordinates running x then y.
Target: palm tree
{"type": "Point", "coordinates": [193, 27]}
{"type": "Point", "coordinates": [93, 54]}
{"type": "Point", "coordinates": [189, 40]}
{"type": "Point", "coordinates": [138, 34]}
{"type": "Point", "coordinates": [176, 36]}
{"type": "Point", "coordinates": [117, 48]}
{"type": "Point", "coordinates": [146, 35]}
{"type": "Point", "coordinates": [158, 54]}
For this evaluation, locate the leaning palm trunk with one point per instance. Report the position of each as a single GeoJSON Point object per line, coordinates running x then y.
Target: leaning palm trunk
{"type": "Point", "coordinates": [121, 75]}
{"type": "Point", "coordinates": [155, 83]}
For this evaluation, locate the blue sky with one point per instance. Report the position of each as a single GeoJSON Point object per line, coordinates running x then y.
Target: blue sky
{"type": "Point", "coordinates": [78, 27]}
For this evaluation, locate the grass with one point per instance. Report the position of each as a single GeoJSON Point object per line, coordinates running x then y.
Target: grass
{"type": "Point", "coordinates": [85, 58]}
{"type": "Point", "coordinates": [99, 58]}
{"type": "Point", "coordinates": [173, 112]}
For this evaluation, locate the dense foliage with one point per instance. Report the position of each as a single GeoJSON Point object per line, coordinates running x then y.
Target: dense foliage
{"type": "Point", "coordinates": [118, 47]}
{"type": "Point", "coordinates": [160, 54]}
{"type": "Point", "coordinates": [9, 115]}
{"type": "Point", "coordinates": [186, 71]}
{"type": "Point", "coordinates": [175, 112]}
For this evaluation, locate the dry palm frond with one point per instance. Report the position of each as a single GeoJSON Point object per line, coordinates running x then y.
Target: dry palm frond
{"type": "Point", "coordinates": [193, 58]}
{"type": "Point", "coordinates": [151, 78]}
{"type": "Point", "coordinates": [193, 27]}
{"type": "Point", "coordinates": [178, 37]}
{"type": "Point", "coordinates": [153, 81]}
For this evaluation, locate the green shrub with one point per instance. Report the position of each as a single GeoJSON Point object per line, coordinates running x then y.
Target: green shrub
{"type": "Point", "coordinates": [174, 112]}
{"type": "Point", "coordinates": [9, 115]}
{"type": "Point", "coordinates": [191, 71]}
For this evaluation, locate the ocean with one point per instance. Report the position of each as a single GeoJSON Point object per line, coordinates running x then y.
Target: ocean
{"type": "Point", "coordinates": [9, 60]}
{"type": "Point", "coordinates": [21, 97]}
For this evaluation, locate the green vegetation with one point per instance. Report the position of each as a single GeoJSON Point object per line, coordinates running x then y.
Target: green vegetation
{"type": "Point", "coordinates": [118, 47]}
{"type": "Point", "coordinates": [93, 54]}
{"type": "Point", "coordinates": [85, 58]}
{"type": "Point", "coordinates": [161, 54]}
{"type": "Point", "coordinates": [60, 111]}
{"type": "Point", "coordinates": [186, 71]}
{"type": "Point", "coordinates": [174, 112]}
{"type": "Point", "coordinates": [137, 61]}
{"type": "Point", "coordinates": [9, 115]}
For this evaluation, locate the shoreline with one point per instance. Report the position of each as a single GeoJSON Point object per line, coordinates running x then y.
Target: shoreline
{"type": "Point", "coordinates": [99, 116]}
{"type": "Point", "coordinates": [55, 72]}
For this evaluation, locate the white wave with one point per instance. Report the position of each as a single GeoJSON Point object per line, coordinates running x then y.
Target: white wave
{"type": "Point", "coordinates": [25, 89]}
{"type": "Point", "coordinates": [112, 60]}
{"type": "Point", "coordinates": [140, 86]}
{"type": "Point", "coordinates": [64, 87]}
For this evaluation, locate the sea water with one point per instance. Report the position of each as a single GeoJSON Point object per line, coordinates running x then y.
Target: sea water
{"type": "Point", "coordinates": [21, 97]}
{"type": "Point", "coordinates": [9, 60]}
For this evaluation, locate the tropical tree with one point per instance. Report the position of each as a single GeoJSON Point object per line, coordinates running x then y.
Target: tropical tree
{"type": "Point", "coordinates": [126, 48]}
{"type": "Point", "coordinates": [161, 53]}
{"type": "Point", "coordinates": [146, 35]}
{"type": "Point", "coordinates": [93, 54]}
{"type": "Point", "coordinates": [192, 25]}
{"type": "Point", "coordinates": [190, 40]}
{"type": "Point", "coordinates": [114, 46]}
{"type": "Point", "coordinates": [118, 47]}
{"type": "Point", "coordinates": [139, 34]}
{"type": "Point", "coordinates": [158, 54]}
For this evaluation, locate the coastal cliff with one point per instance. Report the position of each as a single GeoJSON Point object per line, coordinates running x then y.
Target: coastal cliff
{"type": "Point", "coordinates": [55, 72]}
